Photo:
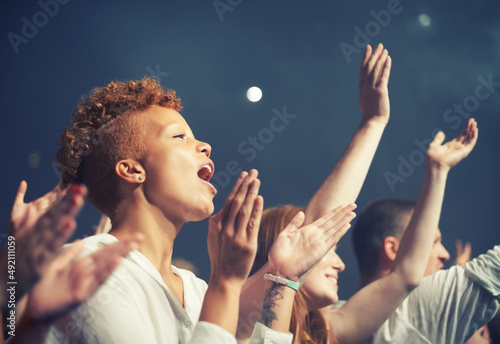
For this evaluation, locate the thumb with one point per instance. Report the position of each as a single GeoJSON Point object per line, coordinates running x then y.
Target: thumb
{"type": "Point", "coordinates": [439, 138]}
{"type": "Point", "coordinates": [21, 192]}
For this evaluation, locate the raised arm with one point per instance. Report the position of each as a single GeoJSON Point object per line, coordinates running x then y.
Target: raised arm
{"type": "Point", "coordinates": [344, 182]}
{"type": "Point", "coordinates": [372, 305]}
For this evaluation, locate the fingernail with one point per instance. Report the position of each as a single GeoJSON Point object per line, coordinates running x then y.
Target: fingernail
{"type": "Point", "coordinates": [253, 173]}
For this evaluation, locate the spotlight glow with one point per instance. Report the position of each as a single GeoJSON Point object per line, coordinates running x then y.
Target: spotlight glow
{"type": "Point", "coordinates": [424, 20]}
{"type": "Point", "coordinates": [34, 160]}
{"type": "Point", "coordinates": [254, 94]}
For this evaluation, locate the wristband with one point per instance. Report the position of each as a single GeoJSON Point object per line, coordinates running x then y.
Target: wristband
{"type": "Point", "coordinates": [283, 281]}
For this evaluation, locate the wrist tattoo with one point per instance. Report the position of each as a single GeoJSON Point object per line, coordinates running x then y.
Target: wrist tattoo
{"type": "Point", "coordinates": [273, 294]}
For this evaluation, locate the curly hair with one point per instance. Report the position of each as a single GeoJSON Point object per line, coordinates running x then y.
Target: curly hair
{"type": "Point", "coordinates": [106, 129]}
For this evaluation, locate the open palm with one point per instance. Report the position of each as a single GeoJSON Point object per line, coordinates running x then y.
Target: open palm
{"type": "Point", "coordinates": [451, 153]}
{"type": "Point", "coordinates": [25, 215]}
{"type": "Point", "coordinates": [298, 249]}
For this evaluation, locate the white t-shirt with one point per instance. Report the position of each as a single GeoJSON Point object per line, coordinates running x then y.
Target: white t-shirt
{"type": "Point", "coordinates": [135, 306]}
{"type": "Point", "coordinates": [448, 306]}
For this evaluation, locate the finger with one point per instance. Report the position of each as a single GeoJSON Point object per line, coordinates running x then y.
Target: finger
{"type": "Point", "coordinates": [344, 216]}
{"type": "Point", "coordinates": [374, 77]}
{"type": "Point", "coordinates": [69, 205]}
{"type": "Point", "coordinates": [467, 250]}
{"type": "Point", "coordinates": [374, 58]}
{"type": "Point", "coordinates": [62, 233]}
{"type": "Point", "coordinates": [439, 138]}
{"type": "Point", "coordinates": [458, 246]}
{"type": "Point", "coordinates": [239, 198]}
{"type": "Point", "coordinates": [363, 70]}
{"type": "Point", "coordinates": [340, 212]}
{"type": "Point", "coordinates": [227, 205]}
{"type": "Point", "coordinates": [339, 234]}
{"type": "Point", "coordinates": [339, 220]}
{"type": "Point", "coordinates": [386, 72]}
{"type": "Point", "coordinates": [367, 54]}
{"type": "Point", "coordinates": [295, 223]}
{"type": "Point", "coordinates": [51, 197]}
{"type": "Point", "coordinates": [254, 223]}
{"type": "Point", "coordinates": [473, 133]}
{"type": "Point", "coordinates": [246, 209]}
{"type": "Point", "coordinates": [21, 192]}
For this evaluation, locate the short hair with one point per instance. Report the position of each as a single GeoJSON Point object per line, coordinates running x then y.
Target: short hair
{"type": "Point", "coordinates": [379, 219]}
{"type": "Point", "coordinates": [106, 129]}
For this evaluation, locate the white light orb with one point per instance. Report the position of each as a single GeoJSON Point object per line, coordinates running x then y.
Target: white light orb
{"type": "Point", "coordinates": [424, 20]}
{"type": "Point", "coordinates": [254, 94]}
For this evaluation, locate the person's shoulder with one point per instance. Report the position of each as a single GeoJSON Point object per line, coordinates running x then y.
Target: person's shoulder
{"type": "Point", "coordinates": [94, 243]}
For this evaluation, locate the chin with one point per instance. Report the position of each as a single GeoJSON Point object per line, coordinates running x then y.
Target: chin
{"type": "Point", "coordinates": [204, 213]}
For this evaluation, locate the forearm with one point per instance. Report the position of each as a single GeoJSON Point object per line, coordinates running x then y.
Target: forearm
{"type": "Point", "coordinates": [343, 184]}
{"type": "Point", "coordinates": [221, 304]}
{"type": "Point", "coordinates": [277, 307]}
{"type": "Point", "coordinates": [416, 244]}
{"type": "Point", "coordinates": [252, 296]}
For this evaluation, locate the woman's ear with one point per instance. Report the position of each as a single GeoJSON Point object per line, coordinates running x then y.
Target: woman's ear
{"type": "Point", "coordinates": [131, 171]}
{"type": "Point", "coordinates": [391, 247]}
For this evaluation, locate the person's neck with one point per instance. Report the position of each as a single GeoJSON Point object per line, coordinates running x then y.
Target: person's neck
{"type": "Point", "coordinates": [159, 233]}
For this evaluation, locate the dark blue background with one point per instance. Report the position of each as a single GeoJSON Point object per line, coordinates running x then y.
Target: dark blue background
{"type": "Point", "coordinates": [290, 49]}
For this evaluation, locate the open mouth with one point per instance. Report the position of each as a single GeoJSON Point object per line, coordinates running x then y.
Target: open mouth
{"type": "Point", "coordinates": [206, 172]}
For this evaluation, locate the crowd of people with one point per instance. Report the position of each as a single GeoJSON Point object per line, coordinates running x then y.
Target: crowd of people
{"type": "Point", "coordinates": [274, 272]}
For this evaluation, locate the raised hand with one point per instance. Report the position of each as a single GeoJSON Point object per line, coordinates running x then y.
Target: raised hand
{"type": "Point", "coordinates": [463, 253]}
{"type": "Point", "coordinates": [24, 215]}
{"type": "Point", "coordinates": [445, 156]}
{"type": "Point", "coordinates": [40, 242]}
{"type": "Point", "coordinates": [232, 245]}
{"type": "Point", "coordinates": [297, 250]}
{"type": "Point", "coordinates": [69, 281]}
{"type": "Point", "coordinates": [232, 236]}
{"type": "Point", "coordinates": [373, 80]}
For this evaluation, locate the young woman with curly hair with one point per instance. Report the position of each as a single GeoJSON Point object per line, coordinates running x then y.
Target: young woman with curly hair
{"type": "Point", "coordinates": [145, 170]}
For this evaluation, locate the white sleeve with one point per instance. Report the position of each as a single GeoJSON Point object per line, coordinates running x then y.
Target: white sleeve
{"type": "Point", "coordinates": [108, 317]}
{"type": "Point", "coordinates": [450, 305]}
{"type": "Point", "coordinates": [485, 271]}
{"type": "Point", "coordinates": [208, 333]}
{"type": "Point", "coordinates": [264, 335]}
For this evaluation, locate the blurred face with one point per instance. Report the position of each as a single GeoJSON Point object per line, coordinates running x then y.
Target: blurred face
{"type": "Point", "coordinates": [321, 285]}
{"type": "Point", "coordinates": [438, 256]}
{"type": "Point", "coordinates": [177, 167]}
